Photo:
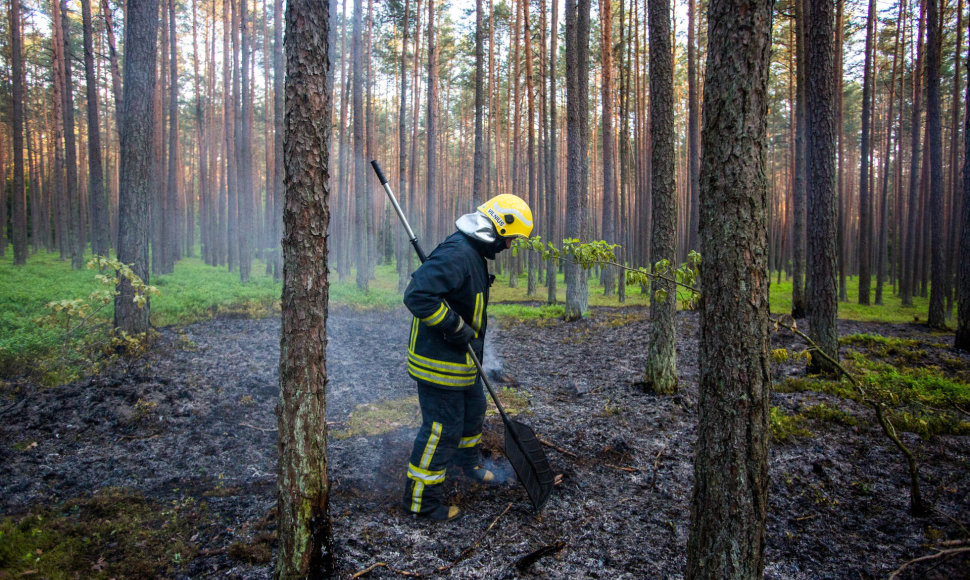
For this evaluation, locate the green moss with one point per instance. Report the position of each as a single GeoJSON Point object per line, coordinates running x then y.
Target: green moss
{"type": "Point", "coordinates": [112, 534]}
{"type": "Point", "coordinates": [370, 419]}
{"type": "Point", "coordinates": [785, 428]}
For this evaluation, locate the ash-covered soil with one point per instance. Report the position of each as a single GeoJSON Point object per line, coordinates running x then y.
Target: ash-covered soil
{"type": "Point", "coordinates": [195, 420]}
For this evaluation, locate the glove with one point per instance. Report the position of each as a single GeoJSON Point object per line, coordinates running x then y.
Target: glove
{"type": "Point", "coordinates": [461, 336]}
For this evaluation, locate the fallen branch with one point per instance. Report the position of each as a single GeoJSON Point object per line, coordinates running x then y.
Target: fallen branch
{"type": "Point", "coordinates": [916, 505]}
{"type": "Point", "coordinates": [939, 554]}
{"type": "Point", "coordinates": [621, 468]}
{"type": "Point", "coordinates": [263, 429]}
{"type": "Point", "coordinates": [468, 551]}
{"type": "Point", "coordinates": [557, 448]}
{"type": "Point", "coordinates": [375, 565]}
{"type": "Point", "coordinates": [531, 558]}
{"type": "Point", "coordinates": [656, 465]}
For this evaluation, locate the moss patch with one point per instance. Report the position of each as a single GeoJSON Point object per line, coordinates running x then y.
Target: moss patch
{"type": "Point", "coordinates": [786, 428]}
{"type": "Point", "coordinates": [114, 533]}
{"type": "Point", "coordinates": [381, 417]}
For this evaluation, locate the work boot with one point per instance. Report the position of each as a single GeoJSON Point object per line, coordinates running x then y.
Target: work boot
{"type": "Point", "coordinates": [431, 506]}
{"type": "Point", "coordinates": [442, 513]}
{"type": "Point", "coordinates": [481, 475]}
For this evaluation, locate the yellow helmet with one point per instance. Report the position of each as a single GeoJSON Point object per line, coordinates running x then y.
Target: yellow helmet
{"type": "Point", "coordinates": [510, 214]}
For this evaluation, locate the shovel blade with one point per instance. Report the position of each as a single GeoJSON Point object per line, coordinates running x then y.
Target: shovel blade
{"type": "Point", "coordinates": [529, 461]}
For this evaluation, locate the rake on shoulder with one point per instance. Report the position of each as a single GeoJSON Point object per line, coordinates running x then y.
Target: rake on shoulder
{"type": "Point", "coordinates": [522, 447]}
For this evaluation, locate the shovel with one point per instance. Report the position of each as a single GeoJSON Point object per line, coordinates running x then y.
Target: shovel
{"type": "Point", "coordinates": [522, 447]}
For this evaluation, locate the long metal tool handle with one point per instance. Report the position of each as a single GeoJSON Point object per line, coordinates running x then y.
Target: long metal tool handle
{"type": "Point", "coordinates": [423, 257]}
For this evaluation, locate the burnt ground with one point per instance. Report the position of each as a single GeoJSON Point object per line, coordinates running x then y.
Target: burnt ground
{"type": "Point", "coordinates": [194, 424]}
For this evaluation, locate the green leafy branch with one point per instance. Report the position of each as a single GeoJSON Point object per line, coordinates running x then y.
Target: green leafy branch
{"type": "Point", "coordinates": [588, 254]}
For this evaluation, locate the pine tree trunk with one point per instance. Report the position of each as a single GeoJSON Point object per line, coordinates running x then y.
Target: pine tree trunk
{"type": "Point", "coordinates": [577, 139]}
{"type": "Point", "coordinates": [939, 285]}
{"type": "Point", "coordinates": [660, 375]}
{"type": "Point", "coordinates": [693, 128]}
{"type": "Point", "coordinates": [727, 530]}
{"type": "Point", "coordinates": [244, 152]}
{"type": "Point", "coordinates": [137, 176]}
{"type": "Point", "coordinates": [822, 200]}
{"type": "Point", "coordinates": [359, 162]}
{"type": "Point", "coordinates": [70, 149]}
{"type": "Point", "coordinates": [552, 167]}
{"type": "Point", "coordinates": [531, 257]}
{"type": "Point", "coordinates": [402, 251]}
{"type": "Point", "coordinates": [962, 340]}
{"type": "Point", "coordinates": [608, 277]}
{"type": "Point", "coordinates": [63, 220]}
{"type": "Point", "coordinates": [478, 179]}
{"type": "Point", "coordinates": [19, 193]}
{"type": "Point", "coordinates": [172, 217]}
{"type": "Point", "coordinates": [953, 232]}
{"type": "Point", "coordinates": [305, 529]}
{"type": "Point", "coordinates": [98, 202]}
{"type": "Point", "coordinates": [865, 217]}
{"type": "Point", "coordinates": [798, 199]}
{"type": "Point", "coordinates": [279, 112]}
{"type": "Point", "coordinates": [908, 278]}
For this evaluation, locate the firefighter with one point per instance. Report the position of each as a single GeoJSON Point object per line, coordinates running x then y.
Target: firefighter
{"type": "Point", "coordinates": [448, 296]}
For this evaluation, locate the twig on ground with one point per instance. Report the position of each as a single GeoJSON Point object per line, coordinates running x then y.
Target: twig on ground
{"type": "Point", "coordinates": [468, 551]}
{"type": "Point", "coordinates": [621, 468]}
{"type": "Point", "coordinates": [531, 558]}
{"type": "Point", "coordinates": [928, 557]}
{"type": "Point", "coordinates": [375, 565]}
{"type": "Point", "coordinates": [557, 448]}
{"type": "Point", "coordinates": [263, 429]}
{"type": "Point", "coordinates": [656, 465]}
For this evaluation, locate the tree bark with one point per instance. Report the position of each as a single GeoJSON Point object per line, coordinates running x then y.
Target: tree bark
{"type": "Point", "coordinates": [279, 113]}
{"type": "Point", "coordinates": [172, 217]}
{"type": "Point", "coordinates": [305, 528]}
{"type": "Point", "coordinates": [78, 240]}
{"type": "Point", "coordinates": [609, 141]}
{"type": "Point", "coordinates": [552, 160]}
{"type": "Point", "coordinates": [98, 203]}
{"type": "Point", "coordinates": [360, 161]}
{"type": "Point", "coordinates": [799, 192]}
{"type": "Point", "coordinates": [19, 193]}
{"type": "Point", "coordinates": [137, 160]}
{"type": "Point", "coordinates": [577, 139]}
{"type": "Point", "coordinates": [939, 284]}
{"type": "Point", "coordinates": [822, 200]}
{"type": "Point", "coordinates": [478, 178]}
{"type": "Point", "coordinates": [693, 129]}
{"type": "Point", "coordinates": [907, 280]}
{"type": "Point", "coordinates": [865, 217]}
{"type": "Point", "coordinates": [660, 375]}
{"type": "Point", "coordinates": [431, 131]}
{"type": "Point", "coordinates": [728, 507]}
{"type": "Point", "coordinates": [962, 340]}
{"type": "Point", "coordinates": [402, 251]}
{"type": "Point", "coordinates": [244, 152]}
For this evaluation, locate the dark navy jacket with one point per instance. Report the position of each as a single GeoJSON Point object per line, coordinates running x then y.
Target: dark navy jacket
{"type": "Point", "coordinates": [455, 273]}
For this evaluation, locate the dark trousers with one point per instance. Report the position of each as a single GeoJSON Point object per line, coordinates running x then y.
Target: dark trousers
{"type": "Point", "coordinates": [450, 434]}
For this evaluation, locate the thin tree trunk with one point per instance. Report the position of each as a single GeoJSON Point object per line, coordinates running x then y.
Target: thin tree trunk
{"type": "Point", "coordinates": [822, 202]}
{"type": "Point", "coordinates": [660, 375]}
{"type": "Point", "coordinates": [552, 179]}
{"type": "Point", "coordinates": [63, 220]}
{"type": "Point", "coordinates": [953, 235]}
{"type": "Point", "coordinates": [244, 153]}
{"type": "Point", "coordinates": [19, 193]}
{"type": "Point", "coordinates": [172, 218]}
{"type": "Point", "coordinates": [865, 217]}
{"type": "Point", "coordinates": [609, 141]}
{"type": "Point", "coordinates": [907, 281]}
{"type": "Point", "coordinates": [798, 200]}
{"type": "Point", "coordinates": [279, 113]}
{"type": "Point", "coordinates": [137, 160]}
{"type": "Point", "coordinates": [577, 138]}
{"type": "Point", "coordinates": [478, 179]}
{"type": "Point", "coordinates": [962, 340]}
{"type": "Point", "coordinates": [693, 129]}
{"type": "Point", "coordinates": [431, 130]}
{"type": "Point", "coordinates": [939, 285]}
{"type": "Point", "coordinates": [359, 162]}
{"type": "Point", "coordinates": [70, 149]}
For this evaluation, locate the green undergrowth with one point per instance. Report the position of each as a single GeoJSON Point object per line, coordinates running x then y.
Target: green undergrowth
{"type": "Point", "coordinates": [113, 533]}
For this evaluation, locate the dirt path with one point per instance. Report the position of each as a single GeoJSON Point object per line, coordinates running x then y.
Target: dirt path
{"type": "Point", "coordinates": [196, 420]}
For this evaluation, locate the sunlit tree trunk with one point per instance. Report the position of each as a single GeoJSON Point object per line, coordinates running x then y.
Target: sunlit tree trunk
{"type": "Point", "coordinates": [729, 502]}
{"type": "Point", "coordinates": [63, 219]}
{"type": "Point", "coordinates": [693, 128]}
{"type": "Point", "coordinates": [305, 528]}
{"type": "Point", "coordinates": [431, 133]}
{"type": "Point", "coordinates": [532, 258]}
{"type": "Point", "coordinates": [402, 252]}
{"type": "Point", "coordinates": [660, 375]}
{"type": "Point", "coordinates": [137, 162]}
{"type": "Point", "coordinates": [359, 161]}
{"type": "Point", "coordinates": [278, 130]}
{"type": "Point", "coordinates": [244, 152]}
{"type": "Point", "coordinates": [172, 217]}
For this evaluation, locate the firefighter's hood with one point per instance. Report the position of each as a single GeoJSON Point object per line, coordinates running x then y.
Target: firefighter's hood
{"type": "Point", "coordinates": [477, 226]}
